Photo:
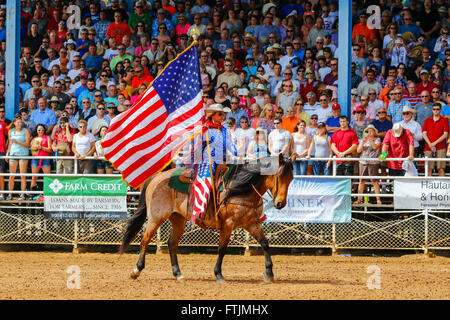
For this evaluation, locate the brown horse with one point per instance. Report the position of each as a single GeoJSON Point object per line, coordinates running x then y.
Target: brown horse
{"type": "Point", "coordinates": [239, 206]}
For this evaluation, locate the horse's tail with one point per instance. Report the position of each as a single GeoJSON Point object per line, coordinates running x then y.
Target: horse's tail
{"type": "Point", "coordinates": [135, 222]}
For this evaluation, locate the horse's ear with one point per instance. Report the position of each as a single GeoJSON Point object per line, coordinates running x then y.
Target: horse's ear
{"type": "Point", "coordinates": [280, 159]}
{"type": "Point", "coordinates": [293, 157]}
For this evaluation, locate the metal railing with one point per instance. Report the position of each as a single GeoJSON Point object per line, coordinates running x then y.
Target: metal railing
{"type": "Point", "coordinates": [372, 227]}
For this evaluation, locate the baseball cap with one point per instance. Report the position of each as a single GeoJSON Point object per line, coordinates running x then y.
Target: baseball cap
{"type": "Point", "coordinates": [359, 109]}
{"type": "Point", "coordinates": [321, 124]}
{"type": "Point", "coordinates": [335, 106]}
{"type": "Point", "coordinates": [84, 75]}
{"type": "Point", "coordinates": [424, 71]}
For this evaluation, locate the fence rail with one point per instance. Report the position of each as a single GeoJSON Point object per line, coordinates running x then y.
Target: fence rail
{"type": "Point", "coordinates": [376, 227]}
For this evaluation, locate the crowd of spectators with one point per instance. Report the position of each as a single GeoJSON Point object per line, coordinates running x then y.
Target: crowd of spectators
{"type": "Point", "coordinates": [273, 63]}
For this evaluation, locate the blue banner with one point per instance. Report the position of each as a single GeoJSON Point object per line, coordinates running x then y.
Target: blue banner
{"type": "Point", "coordinates": [314, 200]}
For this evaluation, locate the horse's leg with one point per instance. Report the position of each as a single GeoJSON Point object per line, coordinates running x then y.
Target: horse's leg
{"type": "Point", "coordinates": [225, 234]}
{"type": "Point", "coordinates": [150, 231]}
{"type": "Point", "coordinates": [178, 223]}
{"type": "Point", "coordinates": [256, 231]}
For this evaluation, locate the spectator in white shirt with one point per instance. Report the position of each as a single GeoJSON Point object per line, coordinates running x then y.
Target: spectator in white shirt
{"type": "Point", "coordinates": [279, 139]}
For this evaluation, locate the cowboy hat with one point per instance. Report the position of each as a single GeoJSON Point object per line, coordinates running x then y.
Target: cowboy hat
{"type": "Point", "coordinates": [217, 107]}
{"type": "Point", "coordinates": [408, 109]}
{"type": "Point", "coordinates": [397, 129]}
{"type": "Point", "coordinates": [371, 126]}
{"type": "Point", "coordinates": [261, 87]}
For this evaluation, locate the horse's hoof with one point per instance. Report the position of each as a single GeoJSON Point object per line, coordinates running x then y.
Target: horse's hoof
{"type": "Point", "coordinates": [220, 280]}
{"type": "Point", "coordinates": [268, 279]}
{"type": "Point", "coordinates": [135, 274]}
{"type": "Point", "coordinates": [180, 278]}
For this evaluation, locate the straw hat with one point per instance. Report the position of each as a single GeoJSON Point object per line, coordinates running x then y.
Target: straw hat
{"type": "Point", "coordinates": [397, 129]}
{"type": "Point", "coordinates": [371, 126]}
{"type": "Point", "coordinates": [217, 107]}
{"type": "Point", "coordinates": [408, 109]}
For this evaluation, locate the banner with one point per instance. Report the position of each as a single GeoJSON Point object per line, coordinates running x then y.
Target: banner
{"type": "Point", "coordinates": [314, 200]}
{"type": "Point", "coordinates": [421, 194]}
{"type": "Point", "coordinates": [99, 198]}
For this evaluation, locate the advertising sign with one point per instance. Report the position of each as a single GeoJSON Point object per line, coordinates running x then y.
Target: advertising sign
{"type": "Point", "coordinates": [314, 200]}
{"type": "Point", "coordinates": [99, 198]}
{"type": "Point", "coordinates": [421, 194]}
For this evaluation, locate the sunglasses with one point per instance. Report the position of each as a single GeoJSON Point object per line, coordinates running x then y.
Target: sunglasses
{"type": "Point", "coordinates": [436, 109]}
{"type": "Point", "coordinates": [276, 122]}
{"type": "Point", "coordinates": [314, 118]}
{"type": "Point", "coordinates": [381, 112]}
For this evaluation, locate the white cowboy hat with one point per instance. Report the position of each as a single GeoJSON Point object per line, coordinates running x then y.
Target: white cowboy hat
{"type": "Point", "coordinates": [397, 129]}
{"type": "Point", "coordinates": [261, 87]}
{"type": "Point", "coordinates": [217, 107]}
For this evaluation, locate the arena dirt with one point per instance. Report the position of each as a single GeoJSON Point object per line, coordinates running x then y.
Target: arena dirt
{"type": "Point", "coordinates": [43, 275]}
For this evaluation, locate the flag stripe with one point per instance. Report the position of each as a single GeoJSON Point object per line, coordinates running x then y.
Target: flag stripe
{"type": "Point", "coordinates": [144, 139]}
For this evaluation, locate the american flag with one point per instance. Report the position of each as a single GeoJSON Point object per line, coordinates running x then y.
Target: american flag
{"type": "Point", "coordinates": [201, 187]}
{"type": "Point", "coordinates": [144, 139]}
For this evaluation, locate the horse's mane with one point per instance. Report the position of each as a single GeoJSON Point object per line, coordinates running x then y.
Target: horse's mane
{"type": "Point", "coordinates": [250, 174]}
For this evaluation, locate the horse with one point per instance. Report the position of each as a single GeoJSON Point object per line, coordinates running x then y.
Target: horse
{"type": "Point", "coordinates": [238, 206]}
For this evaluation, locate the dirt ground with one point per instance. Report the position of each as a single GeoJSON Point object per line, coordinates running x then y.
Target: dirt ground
{"type": "Point", "coordinates": [44, 276]}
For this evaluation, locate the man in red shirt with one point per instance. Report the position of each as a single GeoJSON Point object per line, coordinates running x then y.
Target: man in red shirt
{"type": "Point", "coordinates": [398, 143]}
{"type": "Point", "coordinates": [435, 133]}
{"type": "Point", "coordinates": [343, 143]}
{"type": "Point", "coordinates": [139, 78]}
{"type": "Point", "coordinates": [361, 30]}
{"type": "Point", "coordinates": [117, 29]}
{"type": "Point", "coordinates": [425, 84]}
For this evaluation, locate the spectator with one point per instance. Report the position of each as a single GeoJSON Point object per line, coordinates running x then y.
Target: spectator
{"type": "Point", "coordinates": [94, 122]}
{"type": "Point", "coordinates": [258, 147]}
{"type": "Point", "coordinates": [229, 77]}
{"type": "Point", "coordinates": [321, 147]}
{"type": "Point", "coordinates": [41, 146]}
{"type": "Point", "coordinates": [299, 113]}
{"type": "Point", "coordinates": [311, 105]}
{"type": "Point", "coordinates": [398, 143]}
{"type": "Point", "coordinates": [412, 97]}
{"type": "Point", "coordinates": [102, 166]}
{"type": "Point", "coordinates": [279, 139]}
{"type": "Point", "coordinates": [290, 121]}
{"type": "Point", "coordinates": [435, 133]}
{"type": "Point", "coordinates": [362, 33]}
{"type": "Point", "coordinates": [413, 126]}
{"type": "Point", "coordinates": [425, 83]}
{"type": "Point", "coordinates": [360, 122]}
{"type": "Point", "coordinates": [382, 124]}
{"type": "Point", "coordinates": [370, 109]}
{"type": "Point", "coordinates": [369, 147]}
{"type": "Point", "coordinates": [287, 96]}
{"type": "Point", "coordinates": [343, 143]}
{"type": "Point", "coordinates": [325, 110]}
{"type": "Point", "coordinates": [44, 116]}
{"type": "Point", "coordinates": [300, 146]}
{"type": "Point", "coordinates": [332, 124]}
{"type": "Point", "coordinates": [236, 112]}
{"type": "Point", "coordinates": [18, 146]}
{"type": "Point", "coordinates": [118, 29]}
{"type": "Point", "coordinates": [83, 145]}
{"type": "Point", "coordinates": [396, 106]}
{"type": "Point", "coordinates": [62, 146]}
{"type": "Point", "coordinates": [244, 134]}
{"type": "Point", "coordinates": [370, 83]}
{"type": "Point", "coordinates": [424, 108]}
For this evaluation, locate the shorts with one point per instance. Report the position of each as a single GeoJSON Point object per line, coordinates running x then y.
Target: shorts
{"type": "Point", "coordinates": [2, 163]}
{"type": "Point", "coordinates": [18, 155]}
{"type": "Point", "coordinates": [369, 169]}
{"type": "Point", "coordinates": [44, 163]}
{"type": "Point", "coordinates": [439, 154]}
{"type": "Point", "coordinates": [102, 164]}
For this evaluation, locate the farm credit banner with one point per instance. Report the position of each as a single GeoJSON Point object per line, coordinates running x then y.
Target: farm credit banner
{"type": "Point", "coordinates": [421, 194]}
{"type": "Point", "coordinates": [314, 200]}
{"type": "Point", "coordinates": [98, 198]}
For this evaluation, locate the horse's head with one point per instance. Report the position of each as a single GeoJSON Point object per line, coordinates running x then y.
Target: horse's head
{"type": "Point", "coordinates": [280, 181]}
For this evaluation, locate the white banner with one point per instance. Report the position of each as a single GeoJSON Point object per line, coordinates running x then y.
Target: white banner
{"type": "Point", "coordinates": [421, 194]}
{"type": "Point", "coordinates": [314, 200]}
